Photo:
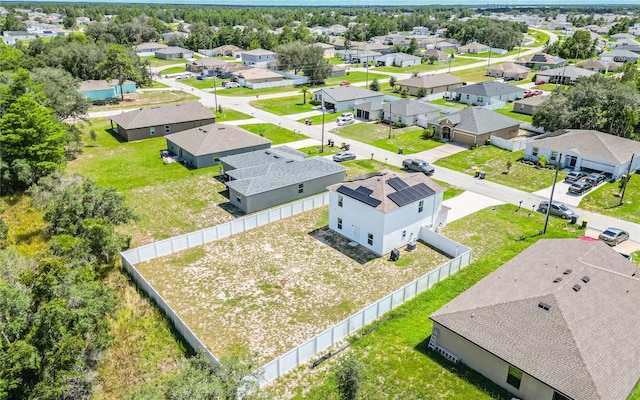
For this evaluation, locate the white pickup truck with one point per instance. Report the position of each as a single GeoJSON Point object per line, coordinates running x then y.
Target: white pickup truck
{"type": "Point", "coordinates": [418, 166]}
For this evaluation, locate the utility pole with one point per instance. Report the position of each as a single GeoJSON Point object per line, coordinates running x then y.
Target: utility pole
{"type": "Point", "coordinates": [389, 120]}
{"type": "Point", "coordinates": [553, 188]}
{"type": "Point", "coordinates": [215, 89]}
{"type": "Point", "coordinates": [626, 180]}
{"type": "Point", "coordinates": [322, 138]}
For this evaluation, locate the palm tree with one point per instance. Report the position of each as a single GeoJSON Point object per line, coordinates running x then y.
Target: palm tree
{"type": "Point", "coordinates": [304, 90]}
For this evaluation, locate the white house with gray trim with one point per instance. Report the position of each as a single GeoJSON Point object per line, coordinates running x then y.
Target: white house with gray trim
{"type": "Point", "coordinates": [402, 60]}
{"type": "Point", "coordinates": [257, 57]}
{"type": "Point", "coordinates": [558, 321]}
{"type": "Point", "coordinates": [344, 98]}
{"type": "Point", "coordinates": [586, 150]}
{"type": "Point", "coordinates": [173, 53]}
{"type": "Point", "coordinates": [485, 93]}
{"type": "Point", "coordinates": [266, 178]}
{"type": "Point", "coordinates": [204, 146]}
{"type": "Point", "coordinates": [404, 111]}
{"type": "Point", "coordinates": [386, 210]}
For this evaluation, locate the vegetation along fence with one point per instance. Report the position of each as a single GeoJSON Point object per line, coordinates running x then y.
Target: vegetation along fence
{"type": "Point", "coordinates": [301, 354]}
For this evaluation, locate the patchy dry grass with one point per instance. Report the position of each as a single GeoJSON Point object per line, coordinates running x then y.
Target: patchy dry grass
{"type": "Point", "coordinates": [272, 288]}
{"type": "Point", "coordinates": [25, 224]}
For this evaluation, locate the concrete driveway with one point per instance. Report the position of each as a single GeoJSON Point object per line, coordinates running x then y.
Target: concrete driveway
{"type": "Point", "coordinates": [562, 194]}
{"type": "Point", "coordinates": [468, 203]}
{"type": "Point", "coordinates": [626, 247]}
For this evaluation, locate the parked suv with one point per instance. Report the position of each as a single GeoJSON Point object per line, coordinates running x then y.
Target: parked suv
{"type": "Point", "coordinates": [575, 176]}
{"type": "Point", "coordinates": [580, 187]}
{"type": "Point", "coordinates": [557, 209]}
{"type": "Point", "coordinates": [595, 178]}
{"type": "Point", "coordinates": [346, 119]}
{"type": "Point", "coordinates": [231, 84]}
{"type": "Point", "coordinates": [418, 166]}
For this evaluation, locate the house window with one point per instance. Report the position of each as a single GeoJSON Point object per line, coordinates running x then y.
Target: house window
{"type": "Point", "coordinates": [554, 156]}
{"type": "Point", "coordinates": [339, 223]}
{"type": "Point", "coordinates": [238, 198]}
{"type": "Point", "coordinates": [480, 99]}
{"type": "Point", "coordinates": [514, 377]}
{"type": "Point", "coordinates": [167, 128]}
{"type": "Point", "coordinates": [404, 234]}
{"type": "Point", "coordinates": [467, 97]}
{"type": "Point", "coordinates": [340, 198]}
{"type": "Point", "coordinates": [534, 152]}
{"type": "Point", "coordinates": [152, 130]}
{"type": "Point", "coordinates": [370, 239]}
{"type": "Point", "coordinates": [421, 206]}
{"type": "Point", "coordinates": [558, 396]}
{"type": "Point", "coordinates": [300, 187]}
{"type": "Point", "coordinates": [521, 107]}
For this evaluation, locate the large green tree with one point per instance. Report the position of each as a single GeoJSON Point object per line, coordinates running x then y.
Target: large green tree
{"type": "Point", "coordinates": [120, 65]}
{"type": "Point", "coordinates": [604, 104]}
{"type": "Point", "coordinates": [60, 92]}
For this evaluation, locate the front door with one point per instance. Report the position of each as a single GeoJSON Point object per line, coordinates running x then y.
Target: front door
{"type": "Point", "coordinates": [572, 161]}
{"type": "Point", "coordinates": [446, 133]}
{"type": "Point", "coordinates": [356, 233]}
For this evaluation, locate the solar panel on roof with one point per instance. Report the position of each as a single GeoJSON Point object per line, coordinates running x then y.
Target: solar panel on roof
{"type": "Point", "coordinates": [364, 190]}
{"type": "Point", "coordinates": [354, 194]}
{"type": "Point", "coordinates": [411, 194]}
{"type": "Point", "coordinates": [397, 183]}
{"type": "Point", "coordinates": [539, 58]}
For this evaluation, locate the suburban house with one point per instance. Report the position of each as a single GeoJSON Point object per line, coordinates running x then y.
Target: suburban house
{"type": "Point", "coordinates": [227, 50]}
{"type": "Point", "coordinates": [173, 53]}
{"type": "Point", "coordinates": [623, 43]}
{"type": "Point", "coordinates": [474, 48]}
{"type": "Point", "coordinates": [599, 66]}
{"type": "Point", "coordinates": [227, 69]}
{"type": "Point", "coordinates": [385, 210]}
{"type": "Point", "coordinates": [155, 121]}
{"type": "Point", "coordinates": [508, 71]}
{"type": "Point", "coordinates": [19, 35]}
{"type": "Point", "coordinates": [258, 57]}
{"type": "Point", "coordinates": [256, 75]}
{"type": "Point", "coordinates": [166, 37]}
{"type": "Point", "coordinates": [553, 323]}
{"type": "Point", "coordinates": [344, 98]}
{"type": "Point", "coordinates": [620, 56]}
{"type": "Point", "coordinates": [541, 61]}
{"type": "Point", "coordinates": [282, 178]}
{"type": "Point", "coordinates": [202, 64]}
{"type": "Point", "coordinates": [148, 49]}
{"type": "Point", "coordinates": [358, 56]}
{"type": "Point", "coordinates": [446, 45]}
{"type": "Point", "coordinates": [329, 50]}
{"type": "Point", "coordinates": [528, 105]}
{"type": "Point", "coordinates": [565, 75]}
{"type": "Point", "coordinates": [586, 149]}
{"type": "Point", "coordinates": [420, 31]}
{"type": "Point", "coordinates": [204, 146]}
{"type": "Point", "coordinates": [402, 60]}
{"type": "Point", "coordinates": [439, 55]}
{"type": "Point", "coordinates": [439, 83]}
{"type": "Point", "coordinates": [485, 93]}
{"type": "Point", "coordinates": [102, 89]}
{"type": "Point", "coordinates": [337, 70]}
{"type": "Point", "coordinates": [261, 157]}
{"type": "Point", "coordinates": [474, 126]}
{"type": "Point", "coordinates": [403, 111]}
{"type": "Point", "coordinates": [621, 36]}
{"type": "Point", "coordinates": [335, 30]}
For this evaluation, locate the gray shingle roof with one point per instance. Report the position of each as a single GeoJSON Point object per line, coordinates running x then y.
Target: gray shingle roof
{"type": "Point", "coordinates": [150, 46]}
{"type": "Point", "coordinates": [569, 71]}
{"type": "Point", "coordinates": [620, 53]}
{"type": "Point", "coordinates": [508, 67]}
{"type": "Point", "coordinates": [381, 189]}
{"type": "Point", "coordinates": [532, 101]}
{"type": "Point", "coordinates": [259, 52]}
{"type": "Point", "coordinates": [585, 344]}
{"type": "Point", "coordinates": [173, 50]}
{"type": "Point", "coordinates": [215, 138]}
{"type": "Point", "coordinates": [345, 93]}
{"type": "Point", "coordinates": [264, 178]}
{"type": "Point", "coordinates": [263, 157]}
{"type": "Point", "coordinates": [477, 120]}
{"type": "Point", "coordinates": [430, 81]}
{"type": "Point", "coordinates": [370, 106]}
{"type": "Point", "coordinates": [489, 89]}
{"type": "Point", "coordinates": [163, 115]}
{"type": "Point", "coordinates": [409, 107]}
{"type": "Point", "coordinates": [591, 144]}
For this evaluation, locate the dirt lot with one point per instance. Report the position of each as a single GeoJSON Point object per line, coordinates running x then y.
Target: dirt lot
{"type": "Point", "coordinates": [274, 287]}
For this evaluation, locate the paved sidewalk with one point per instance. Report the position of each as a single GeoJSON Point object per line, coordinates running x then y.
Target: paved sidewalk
{"type": "Point", "coordinates": [467, 203]}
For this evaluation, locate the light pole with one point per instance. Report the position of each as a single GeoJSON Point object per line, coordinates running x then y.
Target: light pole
{"type": "Point", "coordinates": [450, 58]}
{"type": "Point", "coordinates": [555, 178]}
{"type": "Point", "coordinates": [489, 59]}
{"type": "Point", "coordinates": [322, 138]}
{"type": "Point", "coordinates": [389, 120]}
{"type": "Point", "coordinates": [215, 89]}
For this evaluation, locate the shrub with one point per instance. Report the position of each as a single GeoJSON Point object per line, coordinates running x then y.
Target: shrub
{"type": "Point", "coordinates": [427, 134]}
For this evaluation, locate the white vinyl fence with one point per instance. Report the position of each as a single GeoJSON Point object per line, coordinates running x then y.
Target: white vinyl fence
{"type": "Point", "coordinates": [508, 144]}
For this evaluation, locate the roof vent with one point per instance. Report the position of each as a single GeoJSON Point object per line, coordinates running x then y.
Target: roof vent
{"type": "Point", "coordinates": [567, 271]}
{"type": "Point", "coordinates": [557, 280]}
{"type": "Point", "coordinates": [544, 306]}
{"type": "Point", "coordinates": [585, 279]}
{"type": "Point", "coordinates": [576, 288]}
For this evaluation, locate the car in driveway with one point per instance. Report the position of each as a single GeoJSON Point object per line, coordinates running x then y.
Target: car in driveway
{"type": "Point", "coordinates": [580, 187]}
{"type": "Point", "coordinates": [413, 164]}
{"type": "Point", "coordinates": [540, 82]}
{"type": "Point", "coordinates": [595, 178]}
{"type": "Point", "coordinates": [230, 84]}
{"type": "Point", "coordinates": [346, 119]}
{"type": "Point", "coordinates": [201, 78]}
{"type": "Point", "coordinates": [575, 176]}
{"type": "Point", "coordinates": [613, 236]}
{"type": "Point", "coordinates": [345, 83]}
{"type": "Point", "coordinates": [343, 156]}
{"type": "Point", "coordinates": [557, 209]}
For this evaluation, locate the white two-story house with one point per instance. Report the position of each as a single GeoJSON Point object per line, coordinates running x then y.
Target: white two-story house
{"type": "Point", "coordinates": [386, 210]}
{"type": "Point", "coordinates": [258, 58]}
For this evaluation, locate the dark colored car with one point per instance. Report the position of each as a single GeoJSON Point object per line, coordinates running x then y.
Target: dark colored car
{"type": "Point", "coordinates": [575, 176]}
{"type": "Point", "coordinates": [344, 156]}
{"type": "Point", "coordinates": [595, 178]}
{"type": "Point", "coordinates": [613, 236]}
{"type": "Point", "coordinates": [580, 187]}
{"type": "Point", "coordinates": [557, 209]}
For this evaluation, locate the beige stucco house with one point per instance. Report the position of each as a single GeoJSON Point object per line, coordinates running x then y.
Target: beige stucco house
{"type": "Point", "coordinates": [474, 126]}
{"type": "Point", "coordinates": [439, 83]}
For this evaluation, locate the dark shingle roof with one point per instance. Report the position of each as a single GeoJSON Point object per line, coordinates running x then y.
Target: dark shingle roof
{"type": "Point", "coordinates": [264, 178]}
{"type": "Point", "coordinates": [215, 138]}
{"type": "Point", "coordinates": [345, 93]}
{"type": "Point", "coordinates": [591, 144]}
{"type": "Point", "coordinates": [430, 81]}
{"type": "Point", "coordinates": [409, 107]}
{"type": "Point", "coordinates": [173, 50]}
{"type": "Point", "coordinates": [585, 344]}
{"type": "Point", "coordinates": [477, 120]}
{"type": "Point", "coordinates": [263, 157]}
{"type": "Point", "coordinates": [569, 71]}
{"type": "Point", "coordinates": [163, 115]}
{"type": "Point", "coordinates": [489, 89]}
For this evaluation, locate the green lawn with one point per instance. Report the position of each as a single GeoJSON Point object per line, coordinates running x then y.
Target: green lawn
{"type": "Point", "coordinates": [493, 161]}
{"type": "Point", "coordinates": [173, 70]}
{"type": "Point", "coordinates": [245, 91]}
{"type": "Point", "coordinates": [275, 133]}
{"type": "Point", "coordinates": [158, 62]}
{"type": "Point", "coordinates": [146, 99]}
{"type": "Point", "coordinates": [284, 105]}
{"type": "Point", "coordinates": [328, 117]}
{"type": "Point", "coordinates": [605, 200]}
{"type": "Point", "coordinates": [396, 360]}
{"type": "Point", "coordinates": [477, 74]}
{"type": "Point", "coordinates": [541, 37]}
{"type": "Point", "coordinates": [453, 104]}
{"type": "Point", "coordinates": [229, 114]}
{"type": "Point", "coordinates": [550, 87]}
{"type": "Point", "coordinates": [378, 135]}
{"type": "Point", "coordinates": [508, 111]}
{"type": "Point", "coordinates": [156, 85]}
{"type": "Point", "coordinates": [316, 150]}
{"type": "Point", "coordinates": [355, 76]}
{"type": "Point", "coordinates": [206, 84]}
{"type": "Point", "coordinates": [441, 65]}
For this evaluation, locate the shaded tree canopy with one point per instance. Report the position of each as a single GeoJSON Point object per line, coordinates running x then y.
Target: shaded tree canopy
{"type": "Point", "coordinates": [579, 44]}
{"type": "Point", "coordinates": [495, 33]}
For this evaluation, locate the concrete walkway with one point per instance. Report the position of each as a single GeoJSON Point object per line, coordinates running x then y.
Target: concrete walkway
{"type": "Point", "coordinates": [467, 203]}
